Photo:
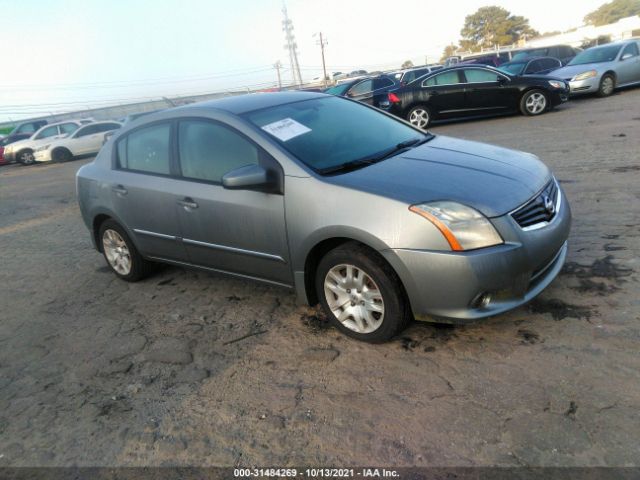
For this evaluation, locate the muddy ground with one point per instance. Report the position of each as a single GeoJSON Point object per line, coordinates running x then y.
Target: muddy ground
{"type": "Point", "coordinates": [95, 371]}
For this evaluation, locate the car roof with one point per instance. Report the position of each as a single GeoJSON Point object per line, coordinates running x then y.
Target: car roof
{"type": "Point", "coordinates": [529, 59]}
{"type": "Point", "coordinates": [239, 104]}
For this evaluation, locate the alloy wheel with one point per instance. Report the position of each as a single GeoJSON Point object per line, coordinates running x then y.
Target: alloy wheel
{"type": "Point", "coordinates": [116, 251]}
{"type": "Point", "coordinates": [354, 298]}
{"type": "Point", "coordinates": [607, 86]}
{"type": "Point", "coordinates": [419, 117]}
{"type": "Point", "coordinates": [536, 103]}
{"type": "Point", "coordinates": [27, 158]}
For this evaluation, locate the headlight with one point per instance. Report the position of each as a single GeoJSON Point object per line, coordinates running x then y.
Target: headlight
{"type": "Point", "coordinates": [585, 75]}
{"type": "Point", "coordinates": [462, 226]}
{"type": "Point", "coordinates": [556, 84]}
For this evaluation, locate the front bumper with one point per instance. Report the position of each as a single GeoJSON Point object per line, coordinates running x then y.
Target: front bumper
{"type": "Point", "coordinates": [589, 85]}
{"type": "Point", "coordinates": [447, 286]}
{"type": "Point", "coordinates": [42, 156]}
{"type": "Point", "coordinates": [9, 157]}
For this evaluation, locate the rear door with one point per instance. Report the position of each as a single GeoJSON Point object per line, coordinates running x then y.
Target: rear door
{"type": "Point", "coordinates": [144, 191]}
{"type": "Point", "coordinates": [82, 140]}
{"type": "Point", "coordinates": [234, 231]}
{"type": "Point", "coordinates": [444, 93]}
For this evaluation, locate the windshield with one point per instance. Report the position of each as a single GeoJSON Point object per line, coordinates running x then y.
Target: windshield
{"type": "Point", "coordinates": [338, 89]}
{"type": "Point", "coordinates": [514, 68]}
{"type": "Point", "coordinates": [326, 133]}
{"type": "Point", "coordinates": [596, 55]}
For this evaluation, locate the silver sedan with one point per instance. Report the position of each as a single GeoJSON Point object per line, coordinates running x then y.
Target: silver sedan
{"type": "Point", "coordinates": [350, 207]}
{"type": "Point", "coordinates": [604, 68]}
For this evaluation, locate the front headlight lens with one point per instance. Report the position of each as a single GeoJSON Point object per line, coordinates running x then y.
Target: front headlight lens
{"type": "Point", "coordinates": [43, 147]}
{"type": "Point", "coordinates": [464, 227]}
{"type": "Point", "coordinates": [585, 75]}
{"type": "Point", "coordinates": [556, 84]}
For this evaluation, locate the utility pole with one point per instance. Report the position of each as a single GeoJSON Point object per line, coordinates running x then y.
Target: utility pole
{"type": "Point", "coordinates": [322, 42]}
{"type": "Point", "coordinates": [278, 66]}
{"type": "Point", "coordinates": [291, 46]}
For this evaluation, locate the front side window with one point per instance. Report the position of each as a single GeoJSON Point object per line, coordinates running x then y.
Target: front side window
{"type": "Point", "coordinates": [478, 75]}
{"type": "Point", "coordinates": [209, 150]}
{"type": "Point", "coordinates": [48, 132]}
{"type": "Point", "coordinates": [446, 78]}
{"type": "Point", "coordinates": [362, 88]}
{"type": "Point", "coordinates": [534, 67]}
{"type": "Point", "coordinates": [68, 128]}
{"type": "Point", "coordinates": [327, 133]}
{"type": "Point", "coordinates": [146, 150]}
{"type": "Point", "coordinates": [382, 83]}
{"type": "Point", "coordinates": [551, 63]}
{"type": "Point", "coordinates": [632, 48]}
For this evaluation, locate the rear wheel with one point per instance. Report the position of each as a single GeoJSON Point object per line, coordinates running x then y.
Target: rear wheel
{"type": "Point", "coordinates": [534, 102]}
{"type": "Point", "coordinates": [419, 116]}
{"type": "Point", "coordinates": [26, 157]}
{"type": "Point", "coordinates": [360, 294]}
{"type": "Point", "coordinates": [607, 85]}
{"type": "Point", "coordinates": [121, 254]}
{"type": "Point", "coordinates": [61, 155]}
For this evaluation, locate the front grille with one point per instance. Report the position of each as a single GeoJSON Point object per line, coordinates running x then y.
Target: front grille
{"type": "Point", "coordinates": [542, 208]}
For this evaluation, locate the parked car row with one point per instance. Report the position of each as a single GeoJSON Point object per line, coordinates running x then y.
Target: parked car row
{"type": "Point", "coordinates": [530, 85]}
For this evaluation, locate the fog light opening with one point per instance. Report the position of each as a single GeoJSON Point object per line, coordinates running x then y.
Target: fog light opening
{"type": "Point", "coordinates": [482, 300]}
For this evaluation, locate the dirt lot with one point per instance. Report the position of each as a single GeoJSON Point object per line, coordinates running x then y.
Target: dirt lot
{"type": "Point", "coordinates": [95, 371]}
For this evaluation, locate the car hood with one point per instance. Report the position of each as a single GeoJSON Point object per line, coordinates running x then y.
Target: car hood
{"type": "Point", "coordinates": [491, 179]}
{"type": "Point", "coordinates": [573, 70]}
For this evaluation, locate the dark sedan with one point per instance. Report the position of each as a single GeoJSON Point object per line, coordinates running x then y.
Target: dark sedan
{"type": "Point", "coordinates": [531, 66]}
{"type": "Point", "coordinates": [372, 90]}
{"type": "Point", "coordinates": [473, 91]}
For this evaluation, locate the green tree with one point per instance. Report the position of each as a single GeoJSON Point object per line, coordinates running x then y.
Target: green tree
{"type": "Point", "coordinates": [406, 64]}
{"type": "Point", "coordinates": [490, 26]}
{"type": "Point", "coordinates": [449, 51]}
{"type": "Point", "coordinates": [612, 12]}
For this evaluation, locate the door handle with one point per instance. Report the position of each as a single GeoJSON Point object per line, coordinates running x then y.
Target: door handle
{"type": "Point", "coordinates": [120, 190]}
{"type": "Point", "coordinates": [188, 203]}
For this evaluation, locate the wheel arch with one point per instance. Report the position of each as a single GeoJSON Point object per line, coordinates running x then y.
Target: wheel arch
{"type": "Point", "coordinates": [321, 248]}
{"type": "Point", "coordinates": [60, 148]}
{"type": "Point", "coordinates": [98, 218]}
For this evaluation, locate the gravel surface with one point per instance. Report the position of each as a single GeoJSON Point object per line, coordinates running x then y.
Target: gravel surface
{"type": "Point", "coordinates": [188, 368]}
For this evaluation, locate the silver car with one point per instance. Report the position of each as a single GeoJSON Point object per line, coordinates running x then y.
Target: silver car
{"type": "Point", "coordinates": [602, 69]}
{"type": "Point", "coordinates": [350, 207]}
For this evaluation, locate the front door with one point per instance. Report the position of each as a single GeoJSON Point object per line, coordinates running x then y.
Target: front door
{"type": "Point", "coordinates": [629, 68]}
{"type": "Point", "coordinates": [234, 231]}
{"type": "Point", "coordinates": [486, 91]}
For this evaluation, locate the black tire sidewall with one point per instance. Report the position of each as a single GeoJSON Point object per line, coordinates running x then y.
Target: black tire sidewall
{"type": "Point", "coordinates": [523, 102]}
{"type": "Point", "coordinates": [419, 107]}
{"type": "Point", "coordinates": [60, 155]}
{"type": "Point", "coordinates": [395, 315]}
{"type": "Point", "coordinates": [138, 264]}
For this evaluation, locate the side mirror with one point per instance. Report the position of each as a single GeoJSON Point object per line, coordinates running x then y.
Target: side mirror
{"type": "Point", "coordinates": [626, 56]}
{"type": "Point", "coordinates": [248, 177]}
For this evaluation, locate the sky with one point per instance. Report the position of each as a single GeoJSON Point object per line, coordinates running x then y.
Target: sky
{"type": "Point", "coordinates": [63, 55]}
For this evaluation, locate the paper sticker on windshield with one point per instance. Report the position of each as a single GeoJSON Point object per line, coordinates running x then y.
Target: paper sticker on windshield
{"type": "Point", "coordinates": [286, 129]}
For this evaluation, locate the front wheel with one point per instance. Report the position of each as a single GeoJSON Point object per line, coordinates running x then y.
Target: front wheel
{"type": "Point", "coordinates": [121, 254]}
{"type": "Point", "coordinates": [361, 294]}
{"type": "Point", "coordinates": [26, 157]}
{"type": "Point", "coordinates": [61, 155]}
{"type": "Point", "coordinates": [534, 102]}
{"type": "Point", "coordinates": [419, 116]}
{"type": "Point", "coordinates": [607, 85]}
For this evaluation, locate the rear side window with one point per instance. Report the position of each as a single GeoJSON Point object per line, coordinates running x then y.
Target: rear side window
{"type": "Point", "coordinates": [209, 150]}
{"type": "Point", "coordinates": [84, 131]}
{"type": "Point", "coordinates": [48, 132]}
{"type": "Point", "coordinates": [105, 127]}
{"type": "Point", "coordinates": [445, 78]}
{"type": "Point", "coordinates": [478, 75]}
{"type": "Point", "coordinates": [146, 150]}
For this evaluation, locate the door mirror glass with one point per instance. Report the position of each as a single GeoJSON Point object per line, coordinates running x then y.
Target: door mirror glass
{"type": "Point", "coordinates": [247, 177]}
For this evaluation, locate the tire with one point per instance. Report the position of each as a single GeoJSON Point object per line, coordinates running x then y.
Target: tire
{"type": "Point", "coordinates": [607, 85]}
{"type": "Point", "coordinates": [375, 284]}
{"type": "Point", "coordinates": [60, 155]}
{"type": "Point", "coordinates": [534, 102]}
{"type": "Point", "coordinates": [26, 157]}
{"type": "Point", "coordinates": [125, 261]}
{"type": "Point", "coordinates": [419, 116]}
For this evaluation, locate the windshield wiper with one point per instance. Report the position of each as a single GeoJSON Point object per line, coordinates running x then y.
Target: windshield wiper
{"type": "Point", "coordinates": [363, 162]}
